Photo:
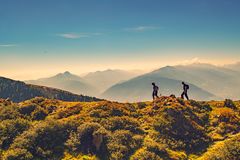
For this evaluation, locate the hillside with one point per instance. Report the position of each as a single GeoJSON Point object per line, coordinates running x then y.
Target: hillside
{"type": "Point", "coordinates": [19, 91]}
{"type": "Point", "coordinates": [67, 81]}
{"type": "Point", "coordinates": [168, 129]}
{"type": "Point", "coordinates": [140, 88]}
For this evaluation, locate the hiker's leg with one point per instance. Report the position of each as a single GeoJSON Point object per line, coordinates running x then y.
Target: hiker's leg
{"type": "Point", "coordinates": [186, 95]}
{"type": "Point", "coordinates": [153, 96]}
{"type": "Point", "coordinates": [182, 95]}
{"type": "Point", "coordinates": [157, 94]}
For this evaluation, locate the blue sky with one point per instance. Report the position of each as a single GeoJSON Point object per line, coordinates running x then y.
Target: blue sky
{"type": "Point", "coordinates": [86, 35]}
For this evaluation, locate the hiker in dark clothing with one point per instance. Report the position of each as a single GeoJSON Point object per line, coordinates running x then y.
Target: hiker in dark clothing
{"type": "Point", "coordinates": [185, 89]}
{"type": "Point", "coordinates": [155, 91]}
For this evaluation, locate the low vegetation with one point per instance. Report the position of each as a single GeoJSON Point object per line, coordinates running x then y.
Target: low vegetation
{"type": "Point", "coordinates": [166, 129]}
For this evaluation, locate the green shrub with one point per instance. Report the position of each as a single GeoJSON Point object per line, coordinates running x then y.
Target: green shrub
{"type": "Point", "coordinates": [230, 104]}
{"type": "Point", "coordinates": [122, 144]}
{"type": "Point", "coordinates": [9, 112]}
{"type": "Point", "coordinates": [122, 123]}
{"type": "Point", "coordinates": [18, 154]}
{"type": "Point", "coordinates": [143, 154]}
{"type": "Point", "coordinates": [141, 105]}
{"type": "Point", "coordinates": [175, 125]}
{"type": "Point", "coordinates": [27, 109]}
{"type": "Point", "coordinates": [224, 115]}
{"type": "Point", "coordinates": [228, 149]}
{"type": "Point", "coordinates": [200, 106]}
{"type": "Point", "coordinates": [108, 109]}
{"type": "Point", "coordinates": [177, 155]}
{"type": "Point", "coordinates": [44, 141]}
{"type": "Point", "coordinates": [181, 101]}
{"type": "Point", "coordinates": [39, 114]}
{"type": "Point", "coordinates": [158, 149]}
{"type": "Point", "coordinates": [82, 140]}
{"type": "Point", "coordinates": [69, 111]}
{"type": "Point", "coordinates": [9, 129]}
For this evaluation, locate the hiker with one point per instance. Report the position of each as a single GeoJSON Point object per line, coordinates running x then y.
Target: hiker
{"type": "Point", "coordinates": [185, 89]}
{"type": "Point", "coordinates": [155, 91]}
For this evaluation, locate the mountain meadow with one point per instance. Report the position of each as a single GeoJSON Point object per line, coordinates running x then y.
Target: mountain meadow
{"type": "Point", "coordinates": [167, 129]}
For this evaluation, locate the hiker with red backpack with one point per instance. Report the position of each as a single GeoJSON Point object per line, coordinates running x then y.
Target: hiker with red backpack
{"type": "Point", "coordinates": [185, 89]}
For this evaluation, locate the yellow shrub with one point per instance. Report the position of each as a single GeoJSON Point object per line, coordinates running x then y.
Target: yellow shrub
{"type": "Point", "coordinates": [224, 115]}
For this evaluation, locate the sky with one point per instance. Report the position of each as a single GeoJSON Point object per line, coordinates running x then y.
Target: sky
{"type": "Point", "coordinates": [39, 38]}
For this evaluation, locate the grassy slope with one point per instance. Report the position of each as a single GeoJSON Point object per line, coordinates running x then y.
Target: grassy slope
{"type": "Point", "coordinates": [19, 91]}
{"type": "Point", "coordinates": [169, 128]}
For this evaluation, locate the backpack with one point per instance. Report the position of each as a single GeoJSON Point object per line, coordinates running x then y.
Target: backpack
{"type": "Point", "coordinates": [187, 86]}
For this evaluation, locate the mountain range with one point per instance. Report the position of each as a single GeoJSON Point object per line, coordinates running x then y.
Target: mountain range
{"type": "Point", "coordinates": [67, 81]}
{"type": "Point", "coordinates": [206, 82]}
{"type": "Point", "coordinates": [103, 80]}
{"type": "Point", "coordinates": [140, 88]}
{"type": "Point", "coordinates": [218, 80]}
{"type": "Point", "coordinates": [92, 84]}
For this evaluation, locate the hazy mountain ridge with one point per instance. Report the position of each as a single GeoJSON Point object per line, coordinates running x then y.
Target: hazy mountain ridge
{"type": "Point", "coordinates": [69, 82]}
{"type": "Point", "coordinates": [91, 84]}
{"type": "Point", "coordinates": [20, 91]}
{"type": "Point", "coordinates": [105, 79]}
{"type": "Point", "coordinates": [234, 66]}
{"type": "Point", "coordinates": [166, 129]}
{"type": "Point", "coordinates": [140, 88]}
{"type": "Point", "coordinates": [219, 81]}
{"type": "Point", "coordinates": [207, 79]}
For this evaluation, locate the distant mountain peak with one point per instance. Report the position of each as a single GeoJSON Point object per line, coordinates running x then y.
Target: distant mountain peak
{"type": "Point", "coordinates": [166, 68]}
{"type": "Point", "coordinates": [67, 73]}
{"type": "Point", "coordinates": [64, 76]}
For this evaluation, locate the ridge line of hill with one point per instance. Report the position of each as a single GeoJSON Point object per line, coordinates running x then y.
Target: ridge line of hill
{"type": "Point", "coordinates": [19, 91]}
